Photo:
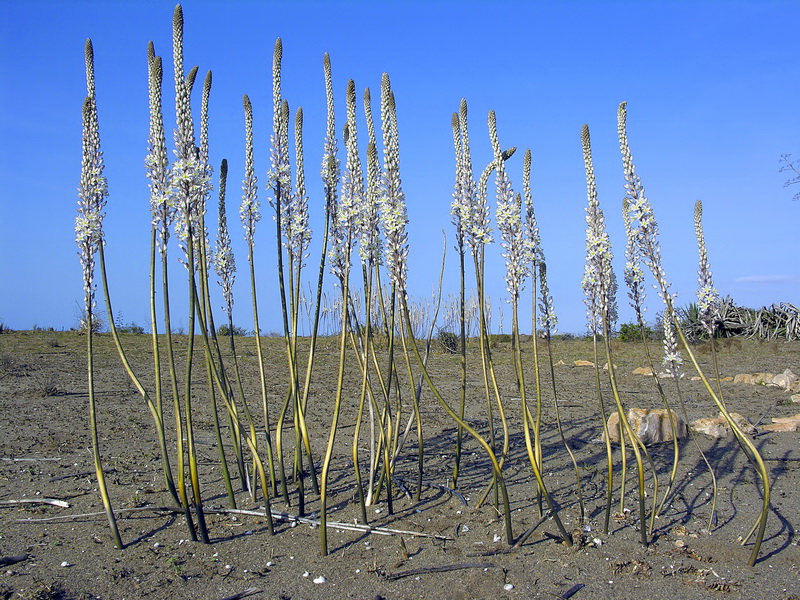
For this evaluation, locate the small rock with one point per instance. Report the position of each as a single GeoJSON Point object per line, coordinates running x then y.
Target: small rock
{"type": "Point", "coordinates": [65, 564]}
{"type": "Point", "coordinates": [745, 378]}
{"type": "Point", "coordinates": [320, 579]}
{"type": "Point", "coordinates": [651, 426]}
{"type": "Point", "coordinates": [508, 587]}
{"type": "Point", "coordinates": [718, 427]}
{"type": "Point", "coordinates": [795, 398]}
{"type": "Point", "coordinates": [642, 371]}
{"type": "Point", "coordinates": [584, 363]}
{"type": "Point", "coordinates": [785, 379]}
{"type": "Point", "coordinates": [560, 363]}
{"type": "Point", "coordinates": [786, 427]}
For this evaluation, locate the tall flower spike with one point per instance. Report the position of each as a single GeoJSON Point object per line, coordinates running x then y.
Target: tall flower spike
{"type": "Point", "coordinates": [532, 239]}
{"type": "Point", "coordinates": [351, 204]}
{"type": "Point", "coordinates": [190, 180]}
{"type": "Point", "coordinates": [330, 160]}
{"type": "Point", "coordinates": [249, 210]}
{"type": "Point", "coordinates": [394, 217]}
{"type": "Point", "coordinates": [224, 261]}
{"type": "Point", "coordinates": [634, 274]}
{"type": "Point", "coordinates": [509, 219]}
{"type": "Point", "coordinates": [707, 295]}
{"type": "Point", "coordinates": [474, 204]}
{"type": "Point", "coordinates": [645, 231]}
{"type": "Point", "coordinates": [162, 208]}
{"type": "Point", "coordinates": [599, 282]}
{"type": "Point", "coordinates": [369, 244]}
{"type": "Point", "coordinates": [299, 230]}
{"type": "Point", "coordinates": [547, 311]}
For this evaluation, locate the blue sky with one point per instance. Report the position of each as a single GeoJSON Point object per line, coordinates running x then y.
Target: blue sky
{"type": "Point", "coordinates": [712, 91]}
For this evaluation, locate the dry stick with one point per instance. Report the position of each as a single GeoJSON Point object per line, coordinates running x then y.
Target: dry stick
{"type": "Point", "coordinates": [244, 594]}
{"type": "Point", "coordinates": [281, 516]}
{"type": "Point", "coordinates": [5, 561]}
{"type": "Point", "coordinates": [442, 569]}
{"type": "Point", "coordinates": [52, 501]}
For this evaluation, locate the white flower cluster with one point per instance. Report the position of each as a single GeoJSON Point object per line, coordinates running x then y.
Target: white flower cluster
{"type": "Point", "coordinates": [347, 216]}
{"type": "Point", "coordinates": [249, 209]}
{"type": "Point", "coordinates": [644, 232]}
{"type": "Point", "coordinates": [599, 281]}
{"type": "Point", "coordinates": [509, 220]}
{"type": "Point", "coordinates": [162, 204]}
{"type": "Point", "coordinates": [465, 193]}
{"type": "Point", "coordinates": [707, 296]}
{"type": "Point", "coordinates": [634, 274]}
{"type": "Point", "coordinates": [298, 230]}
{"type": "Point", "coordinates": [92, 194]}
{"type": "Point", "coordinates": [547, 311]}
{"type": "Point", "coordinates": [394, 217]}
{"type": "Point", "coordinates": [223, 257]}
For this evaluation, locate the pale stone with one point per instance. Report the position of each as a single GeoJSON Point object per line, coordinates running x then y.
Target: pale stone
{"type": "Point", "coordinates": [605, 367]}
{"type": "Point", "coordinates": [650, 426]}
{"type": "Point", "coordinates": [711, 426]}
{"type": "Point", "coordinates": [726, 379]}
{"type": "Point", "coordinates": [560, 363]}
{"type": "Point", "coordinates": [795, 398]}
{"type": "Point", "coordinates": [763, 378]}
{"type": "Point", "coordinates": [695, 378]}
{"type": "Point", "coordinates": [787, 427]}
{"type": "Point", "coordinates": [584, 363]}
{"type": "Point", "coordinates": [785, 380]}
{"type": "Point", "coordinates": [744, 378]}
{"type": "Point", "coordinates": [717, 427]}
{"type": "Point", "coordinates": [792, 419]}
{"type": "Point", "coordinates": [643, 371]}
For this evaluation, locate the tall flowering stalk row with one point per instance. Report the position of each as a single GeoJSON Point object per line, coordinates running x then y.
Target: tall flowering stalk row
{"type": "Point", "coordinates": [643, 220]}
{"type": "Point", "coordinates": [92, 193]}
{"type": "Point", "coordinates": [600, 287]}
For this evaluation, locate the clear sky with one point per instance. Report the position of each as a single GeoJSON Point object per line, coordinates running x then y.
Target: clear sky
{"type": "Point", "coordinates": [712, 91]}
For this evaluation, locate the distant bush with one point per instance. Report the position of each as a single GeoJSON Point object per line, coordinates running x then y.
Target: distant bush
{"type": "Point", "coordinates": [225, 330]}
{"type": "Point", "coordinates": [448, 341]}
{"type": "Point", "coordinates": [631, 332]}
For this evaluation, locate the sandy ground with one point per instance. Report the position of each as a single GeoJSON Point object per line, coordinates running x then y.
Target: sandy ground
{"type": "Point", "coordinates": [45, 452]}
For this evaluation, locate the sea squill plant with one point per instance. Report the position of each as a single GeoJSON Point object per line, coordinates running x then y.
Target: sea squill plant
{"type": "Point", "coordinates": [643, 219]}
{"type": "Point", "coordinates": [642, 233]}
{"type": "Point", "coordinates": [600, 286]}
{"type": "Point", "coordinates": [189, 183]}
{"type": "Point", "coordinates": [250, 215]}
{"type": "Point", "coordinates": [634, 281]}
{"type": "Point", "coordinates": [518, 257]}
{"type": "Point", "coordinates": [708, 301]}
{"type": "Point", "coordinates": [162, 213]}
{"type": "Point", "coordinates": [547, 320]}
{"type": "Point", "coordinates": [344, 233]}
{"type": "Point", "coordinates": [92, 193]}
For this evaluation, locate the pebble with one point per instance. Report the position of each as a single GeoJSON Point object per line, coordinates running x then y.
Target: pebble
{"type": "Point", "coordinates": [65, 564]}
{"type": "Point", "coordinates": [320, 579]}
{"type": "Point", "coordinates": [508, 587]}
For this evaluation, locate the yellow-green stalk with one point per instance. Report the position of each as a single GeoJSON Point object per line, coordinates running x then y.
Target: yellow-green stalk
{"type": "Point", "coordinates": [89, 237]}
